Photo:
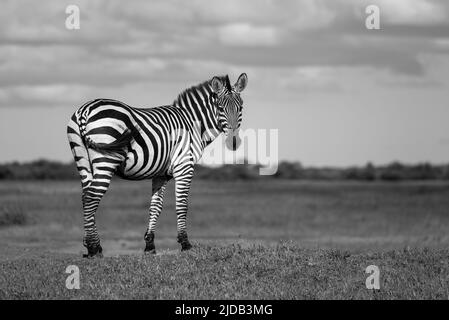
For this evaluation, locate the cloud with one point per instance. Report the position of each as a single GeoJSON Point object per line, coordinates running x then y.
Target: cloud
{"type": "Point", "coordinates": [309, 80]}
{"type": "Point", "coordinates": [41, 95]}
{"type": "Point", "coordinates": [413, 12]}
{"type": "Point", "coordinates": [244, 34]}
{"type": "Point", "coordinates": [73, 66]}
{"type": "Point", "coordinates": [153, 41]}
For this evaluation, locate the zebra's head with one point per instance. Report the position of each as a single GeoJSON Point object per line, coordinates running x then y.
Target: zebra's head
{"type": "Point", "coordinates": [230, 106]}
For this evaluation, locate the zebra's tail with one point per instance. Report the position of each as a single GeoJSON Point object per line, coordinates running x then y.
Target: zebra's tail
{"type": "Point", "coordinates": [118, 145]}
{"type": "Point", "coordinates": [80, 152]}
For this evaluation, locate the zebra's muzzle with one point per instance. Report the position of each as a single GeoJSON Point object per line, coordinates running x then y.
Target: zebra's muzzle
{"type": "Point", "coordinates": [233, 140]}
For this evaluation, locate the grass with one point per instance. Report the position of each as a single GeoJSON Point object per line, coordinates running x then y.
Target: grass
{"type": "Point", "coordinates": [281, 240]}
{"type": "Point", "coordinates": [285, 271]}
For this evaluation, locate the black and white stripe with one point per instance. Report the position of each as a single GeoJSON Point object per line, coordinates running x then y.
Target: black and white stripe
{"type": "Point", "coordinates": [108, 137]}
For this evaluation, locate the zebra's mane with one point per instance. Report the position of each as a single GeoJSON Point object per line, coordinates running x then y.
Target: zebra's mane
{"type": "Point", "coordinates": [205, 85]}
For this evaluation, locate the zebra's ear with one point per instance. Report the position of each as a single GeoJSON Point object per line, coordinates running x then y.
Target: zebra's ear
{"type": "Point", "coordinates": [217, 85]}
{"type": "Point", "coordinates": [241, 83]}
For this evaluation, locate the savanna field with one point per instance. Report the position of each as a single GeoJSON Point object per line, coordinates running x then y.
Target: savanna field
{"type": "Point", "coordinates": [252, 240]}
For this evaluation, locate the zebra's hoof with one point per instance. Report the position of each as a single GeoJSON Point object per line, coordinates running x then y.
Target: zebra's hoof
{"type": "Point", "coordinates": [149, 247]}
{"type": "Point", "coordinates": [186, 246]}
{"type": "Point", "coordinates": [150, 251]}
{"type": "Point", "coordinates": [184, 241]}
{"type": "Point", "coordinates": [94, 252]}
{"type": "Point", "coordinates": [93, 256]}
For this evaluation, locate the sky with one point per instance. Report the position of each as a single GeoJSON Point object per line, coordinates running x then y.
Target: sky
{"type": "Point", "coordinates": [338, 93]}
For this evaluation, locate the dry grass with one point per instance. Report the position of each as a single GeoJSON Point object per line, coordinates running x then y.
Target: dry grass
{"type": "Point", "coordinates": [12, 215]}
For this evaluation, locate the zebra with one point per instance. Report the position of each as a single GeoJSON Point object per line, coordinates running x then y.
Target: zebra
{"type": "Point", "coordinates": [109, 137]}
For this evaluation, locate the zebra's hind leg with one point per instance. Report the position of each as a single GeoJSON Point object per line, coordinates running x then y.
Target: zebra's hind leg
{"type": "Point", "coordinates": [157, 199]}
{"type": "Point", "coordinates": [183, 178]}
{"type": "Point", "coordinates": [89, 198]}
{"type": "Point", "coordinates": [103, 170]}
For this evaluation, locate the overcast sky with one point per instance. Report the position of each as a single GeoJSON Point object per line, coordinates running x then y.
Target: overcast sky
{"type": "Point", "coordinates": [338, 93]}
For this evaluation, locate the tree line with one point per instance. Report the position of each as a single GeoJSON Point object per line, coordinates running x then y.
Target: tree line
{"type": "Point", "coordinates": [395, 171]}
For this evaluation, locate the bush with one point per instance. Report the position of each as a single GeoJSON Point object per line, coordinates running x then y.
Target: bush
{"type": "Point", "coordinates": [446, 172]}
{"type": "Point", "coordinates": [227, 172]}
{"type": "Point", "coordinates": [5, 172]}
{"type": "Point", "coordinates": [367, 173]}
{"type": "Point", "coordinates": [11, 215]}
{"type": "Point", "coordinates": [38, 170]}
{"type": "Point", "coordinates": [289, 170]}
{"type": "Point", "coordinates": [392, 172]}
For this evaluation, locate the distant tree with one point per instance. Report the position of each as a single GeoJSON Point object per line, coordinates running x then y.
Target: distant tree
{"type": "Point", "coordinates": [392, 172]}
{"type": "Point", "coordinates": [370, 171]}
{"type": "Point", "coordinates": [367, 173]}
{"type": "Point", "coordinates": [53, 170]}
{"type": "Point", "coordinates": [445, 172]}
{"type": "Point", "coordinates": [424, 171]}
{"type": "Point", "coordinates": [289, 170]}
{"type": "Point", "coordinates": [5, 172]}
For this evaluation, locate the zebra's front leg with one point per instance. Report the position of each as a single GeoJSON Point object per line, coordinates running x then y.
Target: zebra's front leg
{"type": "Point", "coordinates": [182, 188]}
{"type": "Point", "coordinates": [157, 199]}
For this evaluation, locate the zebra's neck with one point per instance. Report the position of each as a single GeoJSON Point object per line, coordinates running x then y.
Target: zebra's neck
{"type": "Point", "coordinates": [200, 104]}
